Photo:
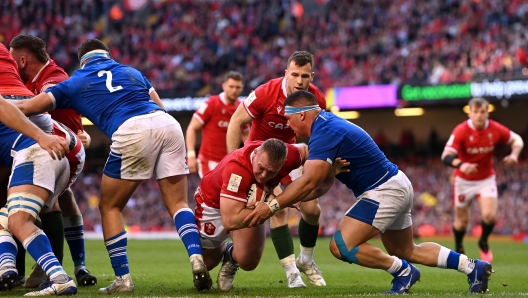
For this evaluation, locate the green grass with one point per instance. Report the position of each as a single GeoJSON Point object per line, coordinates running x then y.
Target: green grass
{"type": "Point", "coordinates": [161, 269]}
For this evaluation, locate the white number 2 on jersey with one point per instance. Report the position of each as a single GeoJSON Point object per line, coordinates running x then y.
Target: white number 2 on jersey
{"type": "Point", "coordinates": [109, 80]}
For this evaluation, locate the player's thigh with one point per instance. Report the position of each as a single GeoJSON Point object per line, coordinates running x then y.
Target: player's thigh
{"type": "Point", "coordinates": [115, 193]}
{"type": "Point", "coordinates": [67, 203]}
{"type": "Point", "coordinates": [249, 246]}
{"type": "Point", "coordinates": [174, 192]}
{"type": "Point", "coordinates": [24, 204]}
{"type": "Point", "coordinates": [488, 208]}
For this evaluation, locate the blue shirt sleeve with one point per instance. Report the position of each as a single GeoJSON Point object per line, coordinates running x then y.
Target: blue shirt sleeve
{"type": "Point", "coordinates": [60, 95]}
{"type": "Point", "coordinates": [323, 147]}
{"type": "Point", "coordinates": [147, 83]}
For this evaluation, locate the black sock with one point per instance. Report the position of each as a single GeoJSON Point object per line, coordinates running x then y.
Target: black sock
{"type": "Point", "coordinates": [20, 258]}
{"type": "Point", "coordinates": [486, 231]}
{"type": "Point", "coordinates": [459, 236]}
{"type": "Point", "coordinates": [53, 226]}
{"type": "Point", "coordinates": [282, 240]}
{"type": "Point", "coordinates": [308, 233]}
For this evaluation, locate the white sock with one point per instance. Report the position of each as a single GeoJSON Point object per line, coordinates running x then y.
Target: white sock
{"type": "Point", "coordinates": [306, 255]}
{"type": "Point", "coordinates": [442, 257]}
{"type": "Point", "coordinates": [396, 265]}
{"type": "Point", "coordinates": [465, 264]}
{"type": "Point", "coordinates": [288, 263]}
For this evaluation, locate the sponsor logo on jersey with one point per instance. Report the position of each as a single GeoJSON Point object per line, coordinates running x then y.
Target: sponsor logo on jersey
{"type": "Point", "coordinates": [223, 124]}
{"type": "Point", "coordinates": [480, 150]}
{"type": "Point", "coordinates": [278, 125]}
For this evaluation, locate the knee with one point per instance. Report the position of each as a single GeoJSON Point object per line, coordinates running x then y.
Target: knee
{"type": "Point", "coordinates": [312, 214]}
{"type": "Point", "coordinates": [280, 217]}
{"type": "Point", "coordinates": [248, 264]}
{"type": "Point", "coordinates": [339, 249]}
{"type": "Point", "coordinates": [488, 218]}
{"type": "Point", "coordinates": [334, 250]}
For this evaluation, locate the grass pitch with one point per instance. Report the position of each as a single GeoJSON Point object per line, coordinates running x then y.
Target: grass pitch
{"type": "Point", "coordinates": [161, 269]}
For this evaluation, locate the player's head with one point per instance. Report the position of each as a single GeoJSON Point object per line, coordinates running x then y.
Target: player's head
{"type": "Point", "coordinates": [233, 85]}
{"type": "Point", "coordinates": [29, 53]}
{"type": "Point", "coordinates": [478, 111]}
{"type": "Point", "coordinates": [268, 160]}
{"type": "Point", "coordinates": [299, 72]}
{"type": "Point", "coordinates": [301, 108]}
{"type": "Point", "coordinates": [91, 46]}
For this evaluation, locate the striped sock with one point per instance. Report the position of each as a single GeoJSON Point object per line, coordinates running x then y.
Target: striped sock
{"type": "Point", "coordinates": [186, 227]}
{"type": "Point", "coordinates": [39, 247]}
{"type": "Point", "coordinates": [116, 247]}
{"type": "Point", "coordinates": [8, 249]}
{"type": "Point", "coordinates": [74, 234]}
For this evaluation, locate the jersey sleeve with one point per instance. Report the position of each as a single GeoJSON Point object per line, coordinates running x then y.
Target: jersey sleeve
{"type": "Point", "coordinates": [55, 77]}
{"type": "Point", "coordinates": [205, 112]}
{"type": "Point", "coordinates": [256, 102]}
{"type": "Point", "coordinates": [60, 95]}
{"type": "Point", "coordinates": [454, 144]}
{"type": "Point", "coordinates": [148, 84]}
{"type": "Point", "coordinates": [236, 182]}
{"type": "Point", "coordinates": [323, 147]}
{"type": "Point", "coordinates": [321, 99]}
{"type": "Point", "coordinates": [293, 160]}
{"type": "Point", "coordinates": [504, 133]}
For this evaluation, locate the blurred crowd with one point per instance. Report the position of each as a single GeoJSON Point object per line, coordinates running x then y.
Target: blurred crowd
{"type": "Point", "coordinates": [185, 46]}
{"type": "Point", "coordinates": [432, 201]}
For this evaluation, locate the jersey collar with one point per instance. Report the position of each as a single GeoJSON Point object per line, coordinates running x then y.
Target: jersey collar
{"type": "Point", "coordinates": [284, 87]}
{"type": "Point", "coordinates": [38, 73]}
{"type": "Point", "coordinates": [223, 98]}
{"type": "Point", "coordinates": [470, 124]}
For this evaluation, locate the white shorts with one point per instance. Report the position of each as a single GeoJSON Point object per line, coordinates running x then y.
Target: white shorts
{"type": "Point", "coordinates": [34, 166]}
{"type": "Point", "coordinates": [464, 191]}
{"type": "Point", "coordinates": [147, 144]}
{"type": "Point", "coordinates": [205, 166]}
{"type": "Point", "coordinates": [386, 207]}
{"type": "Point", "coordinates": [294, 175]}
{"type": "Point", "coordinates": [209, 222]}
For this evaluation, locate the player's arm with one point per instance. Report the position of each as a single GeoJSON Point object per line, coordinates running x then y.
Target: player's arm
{"type": "Point", "coordinates": [245, 135]}
{"type": "Point", "coordinates": [36, 105]}
{"type": "Point", "coordinates": [11, 116]}
{"type": "Point", "coordinates": [234, 130]}
{"type": "Point", "coordinates": [190, 139]}
{"type": "Point", "coordinates": [155, 98]}
{"type": "Point", "coordinates": [516, 144]}
{"type": "Point", "coordinates": [85, 138]}
{"type": "Point", "coordinates": [233, 213]}
{"type": "Point", "coordinates": [449, 158]}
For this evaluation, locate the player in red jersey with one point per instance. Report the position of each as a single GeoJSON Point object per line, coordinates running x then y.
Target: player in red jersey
{"type": "Point", "coordinates": [38, 73]}
{"type": "Point", "coordinates": [264, 109]}
{"type": "Point", "coordinates": [470, 151]}
{"type": "Point", "coordinates": [213, 118]}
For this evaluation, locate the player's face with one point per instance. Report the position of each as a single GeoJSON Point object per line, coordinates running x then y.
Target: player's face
{"type": "Point", "coordinates": [263, 170]}
{"type": "Point", "coordinates": [298, 125]}
{"type": "Point", "coordinates": [21, 62]}
{"type": "Point", "coordinates": [232, 89]}
{"type": "Point", "coordinates": [478, 116]}
{"type": "Point", "coordinates": [298, 77]}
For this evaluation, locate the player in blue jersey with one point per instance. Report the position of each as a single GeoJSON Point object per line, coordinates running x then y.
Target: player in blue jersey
{"type": "Point", "coordinates": [384, 200]}
{"type": "Point", "coordinates": [121, 102]}
{"type": "Point", "coordinates": [36, 174]}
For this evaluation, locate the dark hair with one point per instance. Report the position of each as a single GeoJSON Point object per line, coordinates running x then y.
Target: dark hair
{"type": "Point", "coordinates": [33, 44]}
{"type": "Point", "coordinates": [301, 58]}
{"type": "Point", "coordinates": [90, 45]}
{"type": "Point", "coordinates": [234, 75]}
{"type": "Point", "coordinates": [478, 102]}
{"type": "Point", "coordinates": [276, 150]}
{"type": "Point", "coordinates": [300, 98]}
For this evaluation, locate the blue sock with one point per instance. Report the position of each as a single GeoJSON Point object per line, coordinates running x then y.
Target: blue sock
{"type": "Point", "coordinates": [186, 227]}
{"type": "Point", "coordinates": [39, 247]}
{"type": "Point", "coordinates": [116, 247]}
{"type": "Point", "coordinates": [74, 234]}
{"type": "Point", "coordinates": [404, 266]}
{"type": "Point", "coordinates": [453, 260]}
{"type": "Point", "coordinates": [8, 249]}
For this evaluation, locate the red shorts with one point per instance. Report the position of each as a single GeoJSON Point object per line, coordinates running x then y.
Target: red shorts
{"type": "Point", "coordinates": [292, 176]}
{"type": "Point", "coordinates": [76, 156]}
{"type": "Point", "coordinates": [205, 166]}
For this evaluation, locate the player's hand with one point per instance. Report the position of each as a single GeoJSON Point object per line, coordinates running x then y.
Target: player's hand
{"type": "Point", "coordinates": [85, 138]}
{"type": "Point", "coordinates": [511, 160]}
{"type": "Point", "coordinates": [261, 213]}
{"type": "Point", "coordinates": [56, 146]}
{"type": "Point", "coordinates": [468, 168]}
{"type": "Point", "coordinates": [338, 166]}
{"type": "Point", "coordinates": [192, 164]}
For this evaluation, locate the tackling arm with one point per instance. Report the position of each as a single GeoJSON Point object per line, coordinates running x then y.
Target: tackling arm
{"type": "Point", "coordinates": [155, 97]}
{"type": "Point", "coordinates": [234, 130]}
{"type": "Point", "coordinates": [233, 213]}
{"type": "Point", "coordinates": [36, 105]}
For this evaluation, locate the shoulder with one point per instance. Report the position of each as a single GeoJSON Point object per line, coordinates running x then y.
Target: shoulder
{"type": "Point", "coordinates": [461, 128]}
{"type": "Point", "coordinates": [496, 125]}
{"type": "Point", "coordinates": [269, 87]}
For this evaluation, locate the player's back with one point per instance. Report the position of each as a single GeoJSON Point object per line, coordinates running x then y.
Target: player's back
{"type": "Point", "coordinates": [11, 83]}
{"type": "Point", "coordinates": [369, 167]}
{"type": "Point", "coordinates": [106, 92]}
{"type": "Point", "coordinates": [265, 106]}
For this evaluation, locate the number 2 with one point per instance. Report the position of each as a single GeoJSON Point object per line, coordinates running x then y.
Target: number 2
{"type": "Point", "coordinates": [109, 80]}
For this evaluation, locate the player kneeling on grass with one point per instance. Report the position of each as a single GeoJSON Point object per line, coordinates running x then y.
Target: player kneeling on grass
{"type": "Point", "coordinates": [385, 198]}
{"type": "Point", "coordinates": [243, 176]}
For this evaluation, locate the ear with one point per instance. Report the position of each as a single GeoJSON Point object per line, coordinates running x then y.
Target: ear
{"type": "Point", "coordinates": [23, 61]}
{"type": "Point", "coordinates": [313, 74]}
